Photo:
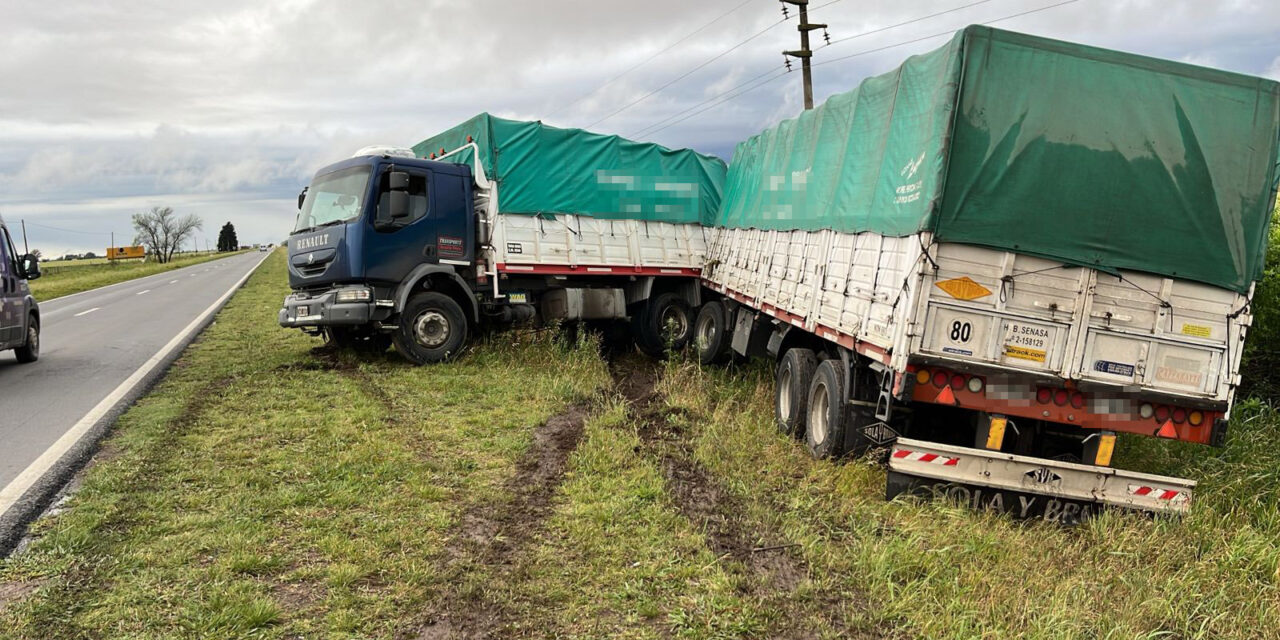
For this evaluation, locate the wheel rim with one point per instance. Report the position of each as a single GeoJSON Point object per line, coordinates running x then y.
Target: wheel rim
{"type": "Point", "coordinates": [818, 414]}
{"type": "Point", "coordinates": [705, 330]}
{"type": "Point", "coordinates": [431, 329]}
{"type": "Point", "coordinates": [674, 322]}
{"type": "Point", "coordinates": [33, 339]}
{"type": "Point", "coordinates": [784, 394]}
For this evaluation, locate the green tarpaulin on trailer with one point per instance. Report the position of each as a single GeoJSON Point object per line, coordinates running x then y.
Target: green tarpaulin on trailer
{"type": "Point", "coordinates": [545, 170]}
{"type": "Point", "coordinates": [1072, 153]}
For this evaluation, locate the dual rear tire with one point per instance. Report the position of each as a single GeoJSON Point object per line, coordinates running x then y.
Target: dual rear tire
{"type": "Point", "coordinates": [809, 402]}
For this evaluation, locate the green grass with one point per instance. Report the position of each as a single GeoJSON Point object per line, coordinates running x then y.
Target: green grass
{"type": "Point", "coordinates": [266, 489]}
{"type": "Point", "coordinates": [69, 280]}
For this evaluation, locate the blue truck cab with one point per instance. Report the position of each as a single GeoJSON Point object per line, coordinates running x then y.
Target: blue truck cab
{"type": "Point", "coordinates": [384, 252]}
{"type": "Point", "coordinates": [19, 313]}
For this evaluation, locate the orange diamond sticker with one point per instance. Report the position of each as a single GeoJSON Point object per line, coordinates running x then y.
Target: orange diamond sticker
{"type": "Point", "coordinates": [964, 288]}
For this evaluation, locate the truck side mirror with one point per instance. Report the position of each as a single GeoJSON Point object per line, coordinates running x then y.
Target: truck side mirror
{"type": "Point", "coordinates": [302, 197]}
{"type": "Point", "coordinates": [398, 201]}
{"type": "Point", "coordinates": [30, 267]}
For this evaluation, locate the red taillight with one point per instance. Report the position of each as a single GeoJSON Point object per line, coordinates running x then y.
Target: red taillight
{"type": "Point", "coordinates": [1043, 396]}
{"type": "Point", "coordinates": [939, 379]}
{"type": "Point", "coordinates": [1077, 400]}
{"type": "Point", "coordinates": [1162, 413]}
{"type": "Point", "coordinates": [1060, 397]}
{"type": "Point", "coordinates": [957, 382]}
{"type": "Point", "coordinates": [1179, 415]}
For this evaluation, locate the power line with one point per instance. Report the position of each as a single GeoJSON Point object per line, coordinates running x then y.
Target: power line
{"type": "Point", "coordinates": [653, 127]}
{"type": "Point", "coordinates": [944, 33]}
{"type": "Point", "coordinates": [649, 59]}
{"type": "Point", "coordinates": [903, 24]}
{"type": "Point", "coordinates": [650, 131]}
{"type": "Point", "coordinates": [91, 233]}
{"type": "Point", "coordinates": [779, 73]}
{"type": "Point", "coordinates": [684, 75]}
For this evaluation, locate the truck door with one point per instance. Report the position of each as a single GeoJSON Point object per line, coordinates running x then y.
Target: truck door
{"type": "Point", "coordinates": [391, 254]}
{"type": "Point", "coordinates": [439, 228]}
{"type": "Point", "coordinates": [11, 300]}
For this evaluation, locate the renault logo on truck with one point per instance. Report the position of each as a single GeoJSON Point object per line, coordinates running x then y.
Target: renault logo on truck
{"type": "Point", "coordinates": [313, 242]}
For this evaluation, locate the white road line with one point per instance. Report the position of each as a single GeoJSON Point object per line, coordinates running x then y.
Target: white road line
{"type": "Point", "coordinates": [82, 313]}
{"type": "Point", "coordinates": [142, 292]}
{"type": "Point", "coordinates": [173, 282]}
{"type": "Point", "coordinates": [109, 286]}
{"type": "Point", "coordinates": [19, 486]}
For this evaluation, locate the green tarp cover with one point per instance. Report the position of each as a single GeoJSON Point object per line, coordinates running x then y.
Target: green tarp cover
{"type": "Point", "coordinates": [1072, 153]}
{"type": "Point", "coordinates": [547, 170]}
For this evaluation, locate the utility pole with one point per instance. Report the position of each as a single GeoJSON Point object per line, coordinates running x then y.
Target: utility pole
{"type": "Point", "coordinates": [804, 52]}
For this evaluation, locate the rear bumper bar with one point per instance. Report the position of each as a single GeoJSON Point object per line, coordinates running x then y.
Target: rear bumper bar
{"type": "Point", "coordinates": [1021, 474]}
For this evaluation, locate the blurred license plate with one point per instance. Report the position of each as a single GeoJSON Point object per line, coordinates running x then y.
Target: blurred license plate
{"type": "Point", "coordinates": [303, 310]}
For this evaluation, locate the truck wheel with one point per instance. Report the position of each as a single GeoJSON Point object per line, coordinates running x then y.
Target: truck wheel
{"type": "Point", "coordinates": [30, 352]}
{"type": "Point", "coordinates": [710, 334]}
{"type": "Point", "coordinates": [665, 321]}
{"type": "Point", "coordinates": [791, 390]}
{"type": "Point", "coordinates": [825, 426]}
{"type": "Point", "coordinates": [432, 328]}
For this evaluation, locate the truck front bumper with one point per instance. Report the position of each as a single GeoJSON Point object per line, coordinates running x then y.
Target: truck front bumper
{"type": "Point", "coordinates": [322, 309]}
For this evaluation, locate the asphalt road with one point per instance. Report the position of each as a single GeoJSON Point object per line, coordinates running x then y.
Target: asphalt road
{"type": "Point", "coordinates": [91, 344]}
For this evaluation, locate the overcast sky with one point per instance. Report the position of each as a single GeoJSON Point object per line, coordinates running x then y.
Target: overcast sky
{"type": "Point", "coordinates": [225, 109]}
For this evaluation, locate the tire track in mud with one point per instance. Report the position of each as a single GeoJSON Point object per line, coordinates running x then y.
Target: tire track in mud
{"type": "Point", "coordinates": [490, 535]}
{"type": "Point", "coordinates": [770, 571]}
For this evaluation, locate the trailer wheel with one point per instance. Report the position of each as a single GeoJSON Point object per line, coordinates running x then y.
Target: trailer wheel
{"type": "Point", "coordinates": [825, 427]}
{"type": "Point", "coordinates": [664, 321]}
{"type": "Point", "coordinates": [432, 328]}
{"type": "Point", "coordinates": [791, 390]}
{"type": "Point", "coordinates": [30, 351]}
{"type": "Point", "coordinates": [710, 334]}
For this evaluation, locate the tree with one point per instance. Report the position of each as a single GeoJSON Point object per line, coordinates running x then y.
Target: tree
{"type": "Point", "coordinates": [89, 255]}
{"type": "Point", "coordinates": [227, 240]}
{"type": "Point", "coordinates": [161, 231]}
{"type": "Point", "coordinates": [38, 254]}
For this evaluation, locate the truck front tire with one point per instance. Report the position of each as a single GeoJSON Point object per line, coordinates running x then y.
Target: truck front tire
{"type": "Point", "coordinates": [30, 351]}
{"type": "Point", "coordinates": [825, 427]}
{"type": "Point", "coordinates": [432, 328]}
{"type": "Point", "coordinates": [791, 390]}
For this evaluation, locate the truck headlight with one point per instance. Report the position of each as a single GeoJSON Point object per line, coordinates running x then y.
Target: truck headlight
{"type": "Point", "coordinates": [354, 295]}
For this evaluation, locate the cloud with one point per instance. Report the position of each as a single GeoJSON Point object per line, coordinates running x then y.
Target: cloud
{"type": "Point", "coordinates": [216, 103]}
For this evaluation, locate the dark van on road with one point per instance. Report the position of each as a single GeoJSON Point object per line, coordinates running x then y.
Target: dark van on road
{"type": "Point", "coordinates": [19, 313]}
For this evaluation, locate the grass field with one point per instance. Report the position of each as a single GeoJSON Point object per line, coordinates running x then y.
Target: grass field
{"type": "Point", "coordinates": [272, 488]}
{"type": "Point", "coordinates": [82, 277]}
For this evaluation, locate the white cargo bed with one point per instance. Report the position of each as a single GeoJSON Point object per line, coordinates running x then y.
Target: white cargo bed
{"type": "Point", "coordinates": [905, 298]}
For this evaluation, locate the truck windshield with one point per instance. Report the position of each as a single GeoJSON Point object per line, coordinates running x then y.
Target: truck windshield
{"type": "Point", "coordinates": [334, 197]}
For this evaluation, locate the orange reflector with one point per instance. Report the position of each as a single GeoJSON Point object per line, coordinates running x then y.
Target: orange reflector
{"type": "Point", "coordinates": [922, 376]}
{"type": "Point", "coordinates": [963, 288]}
{"type": "Point", "coordinates": [947, 397]}
{"type": "Point", "coordinates": [1167, 430]}
{"type": "Point", "coordinates": [1195, 418]}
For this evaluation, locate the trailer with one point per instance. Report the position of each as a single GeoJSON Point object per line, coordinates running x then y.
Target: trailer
{"type": "Point", "coordinates": [994, 259]}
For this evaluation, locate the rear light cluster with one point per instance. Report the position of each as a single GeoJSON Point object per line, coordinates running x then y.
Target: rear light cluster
{"type": "Point", "coordinates": [1060, 397]}
{"type": "Point", "coordinates": [1178, 415]}
{"type": "Point", "coordinates": [957, 381]}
